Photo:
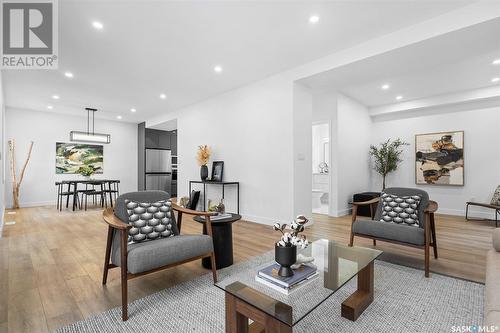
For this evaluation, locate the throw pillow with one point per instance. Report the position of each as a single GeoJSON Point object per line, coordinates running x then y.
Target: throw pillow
{"type": "Point", "coordinates": [400, 209]}
{"type": "Point", "coordinates": [149, 221]}
{"type": "Point", "coordinates": [496, 197]}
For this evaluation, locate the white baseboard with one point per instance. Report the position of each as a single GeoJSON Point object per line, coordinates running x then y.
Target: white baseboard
{"type": "Point", "coordinates": [483, 214]}
{"type": "Point", "coordinates": [261, 219]}
{"type": "Point", "coordinates": [2, 212]}
{"type": "Point", "coordinates": [36, 204]}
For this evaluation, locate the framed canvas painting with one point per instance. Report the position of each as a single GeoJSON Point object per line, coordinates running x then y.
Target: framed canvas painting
{"type": "Point", "coordinates": [439, 158]}
{"type": "Point", "coordinates": [71, 156]}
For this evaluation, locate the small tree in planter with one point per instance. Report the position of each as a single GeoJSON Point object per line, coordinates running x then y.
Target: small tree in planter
{"type": "Point", "coordinates": [387, 156]}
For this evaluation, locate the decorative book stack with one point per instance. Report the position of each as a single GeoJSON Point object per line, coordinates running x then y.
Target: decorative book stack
{"type": "Point", "coordinates": [269, 277]}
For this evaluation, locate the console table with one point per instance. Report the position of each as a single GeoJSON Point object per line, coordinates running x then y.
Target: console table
{"type": "Point", "coordinates": [223, 184]}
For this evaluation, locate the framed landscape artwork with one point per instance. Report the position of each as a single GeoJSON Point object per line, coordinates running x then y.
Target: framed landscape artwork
{"type": "Point", "coordinates": [439, 158]}
{"type": "Point", "coordinates": [71, 156]}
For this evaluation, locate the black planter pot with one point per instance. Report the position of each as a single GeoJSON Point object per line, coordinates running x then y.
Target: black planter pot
{"type": "Point", "coordinates": [204, 172]}
{"type": "Point", "coordinates": [286, 257]}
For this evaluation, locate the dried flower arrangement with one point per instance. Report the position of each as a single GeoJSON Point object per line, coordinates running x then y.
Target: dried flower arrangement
{"type": "Point", "coordinates": [289, 239]}
{"type": "Point", "coordinates": [203, 155]}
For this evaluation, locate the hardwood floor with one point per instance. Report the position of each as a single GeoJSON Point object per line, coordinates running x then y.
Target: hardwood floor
{"type": "Point", "coordinates": [51, 262]}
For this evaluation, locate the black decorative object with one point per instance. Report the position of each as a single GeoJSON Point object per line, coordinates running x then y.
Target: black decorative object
{"type": "Point", "coordinates": [217, 171]}
{"type": "Point", "coordinates": [286, 257]}
{"type": "Point", "coordinates": [204, 172]}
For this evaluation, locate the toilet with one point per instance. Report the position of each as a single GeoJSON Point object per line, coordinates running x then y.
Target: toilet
{"type": "Point", "coordinates": [316, 198]}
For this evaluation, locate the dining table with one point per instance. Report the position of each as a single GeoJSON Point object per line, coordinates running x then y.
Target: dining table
{"type": "Point", "coordinates": [74, 183]}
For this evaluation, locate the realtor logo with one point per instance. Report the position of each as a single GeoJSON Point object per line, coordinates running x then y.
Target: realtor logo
{"type": "Point", "coordinates": [29, 34]}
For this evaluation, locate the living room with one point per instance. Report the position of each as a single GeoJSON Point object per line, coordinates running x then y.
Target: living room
{"type": "Point", "coordinates": [183, 133]}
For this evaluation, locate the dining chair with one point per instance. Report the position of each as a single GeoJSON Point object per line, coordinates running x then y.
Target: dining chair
{"type": "Point", "coordinates": [113, 190]}
{"type": "Point", "coordinates": [61, 194]}
{"type": "Point", "coordinates": [98, 194]}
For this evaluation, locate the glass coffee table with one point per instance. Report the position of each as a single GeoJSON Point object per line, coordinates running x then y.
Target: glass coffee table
{"type": "Point", "coordinates": [273, 311]}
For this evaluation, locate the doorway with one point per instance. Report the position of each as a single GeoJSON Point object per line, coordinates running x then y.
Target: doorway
{"type": "Point", "coordinates": [320, 168]}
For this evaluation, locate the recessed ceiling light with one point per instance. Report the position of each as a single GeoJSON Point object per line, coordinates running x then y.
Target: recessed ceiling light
{"type": "Point", "coordinates": [496, 62]}
{"type": "Point", "coordinates": [314, 19]}
{"type": "Point", "coordinates": [118, 117]}
{"type": "Point", "coordinates": [217, 69]}
{"type": "Point", "coordinates": [97, 25]}
{"type": "Point", "coordinates": [495, 79]}
{"type": "Point", "coordinates": [385, 86]}
{"type": "Point", "coordinates": [163, 96]}
{"type": "Point", "coordinates": [399, 97]}
{"type": "Point", "coordinates": [50, 107]}
{"type": "Point", "coordinates": [55, 96]}
{"type": "Point", "coordinates": [68, 74]}
{"type": "Point", "coordinates": [133, 110]}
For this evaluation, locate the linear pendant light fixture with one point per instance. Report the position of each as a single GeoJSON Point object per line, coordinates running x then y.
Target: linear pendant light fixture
{"type": "Point", "coordinates": [89, 136]}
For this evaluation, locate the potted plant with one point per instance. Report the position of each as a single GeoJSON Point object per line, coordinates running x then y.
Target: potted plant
{"type": "Point", "coordinates": [387, 156]}
{"type": "Point", "coordinates": [285, 251]}
{"type": "Point", "coordinates": [86, 171]}
{"type": "Point", "coordinates": [203, 157]}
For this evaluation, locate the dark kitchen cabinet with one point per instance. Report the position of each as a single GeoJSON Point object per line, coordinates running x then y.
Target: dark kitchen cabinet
{"type": "Point", "coordinates": [164, 141]}
{"type": "Point", "coordinates": [173, 142]}
{"type": "Point", "coordinates": [152, 138]}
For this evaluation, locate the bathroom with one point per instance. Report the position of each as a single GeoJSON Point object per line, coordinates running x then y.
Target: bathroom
{"type": "Point", "coordinates": [320, 167]}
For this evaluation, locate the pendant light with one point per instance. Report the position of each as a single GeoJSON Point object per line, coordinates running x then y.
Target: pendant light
{"type": "Point", "coordinates": [89, 136]}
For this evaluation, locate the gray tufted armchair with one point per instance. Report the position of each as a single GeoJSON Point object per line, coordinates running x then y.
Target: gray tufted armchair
{"type": "Point", "coordinates": [139, 258]}
{"type": "Point", "coordinates": [399, 233]}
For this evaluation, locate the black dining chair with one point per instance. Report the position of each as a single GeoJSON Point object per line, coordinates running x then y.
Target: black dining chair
{"type": "Point", "coordinates": [61, 194]}
{"type": "Point", "coordinates": [96, 190]}
{"type": "Point", "coordinates": [113, 190]}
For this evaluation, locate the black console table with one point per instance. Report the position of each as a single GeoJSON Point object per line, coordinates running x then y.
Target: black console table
{"type": "Point", "coordinates": [223, 184]}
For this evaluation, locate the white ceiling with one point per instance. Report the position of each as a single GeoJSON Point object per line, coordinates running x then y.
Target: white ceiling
{"type": "Point", "coordinates": [454, 62]}
{"type": "Point", "coordinates": [151, 47]}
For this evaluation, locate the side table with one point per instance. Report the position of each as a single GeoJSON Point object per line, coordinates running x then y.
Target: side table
{"type": "Point", "coordinates": [222, 231]}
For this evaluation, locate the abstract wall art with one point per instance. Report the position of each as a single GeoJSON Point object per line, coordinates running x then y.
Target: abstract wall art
{"type": "Point", "coordinates": [71, 156]}
{"type": "Point", "coordinates": [439, 158]}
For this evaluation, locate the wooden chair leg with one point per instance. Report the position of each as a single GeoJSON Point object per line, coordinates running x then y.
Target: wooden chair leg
{"type": "Point", "coordinates": [433, 234]}
{"type": "Point", "coordinates": [214, 267]}
{"type": "Point", "coordinates": [108, 255]}
{"type": "Point", "coordinates": [179, 221]}
{"type": "Point", "coordinates": [426, 247]}
{"type": "Point", "coordinates": [123, 266]}
{"type": "Point", "coordinates": [353, 219]}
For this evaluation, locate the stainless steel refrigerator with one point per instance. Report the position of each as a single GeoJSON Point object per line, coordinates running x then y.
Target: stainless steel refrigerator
{"type": "Point", "coordinates": [159, 170]}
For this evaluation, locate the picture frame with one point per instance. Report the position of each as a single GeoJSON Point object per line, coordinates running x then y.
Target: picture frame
{"type": "Point", "coordinates": [217, 171]}
{"type": "Point", "coordinates": [70, 157]}
{"type": "Point", "coordinates": [439, 158]}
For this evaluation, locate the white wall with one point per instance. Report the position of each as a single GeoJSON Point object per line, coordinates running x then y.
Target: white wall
{"type": "Point", "coordinates": [481, 156]}
{"type": "Point", "coordinates": [2, 153]}
{"type": "Point", "coordinates": [45, 129]}
{"type": "Point", "coordinates": [302, 143]}
{"type": "Point", "coordinates": [354, 128]}
{"type": "Point", "coordinates": [250, 129]}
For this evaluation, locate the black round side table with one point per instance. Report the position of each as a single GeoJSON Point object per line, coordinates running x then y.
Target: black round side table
{"type": "Point", "coordinates": [223, 240]}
